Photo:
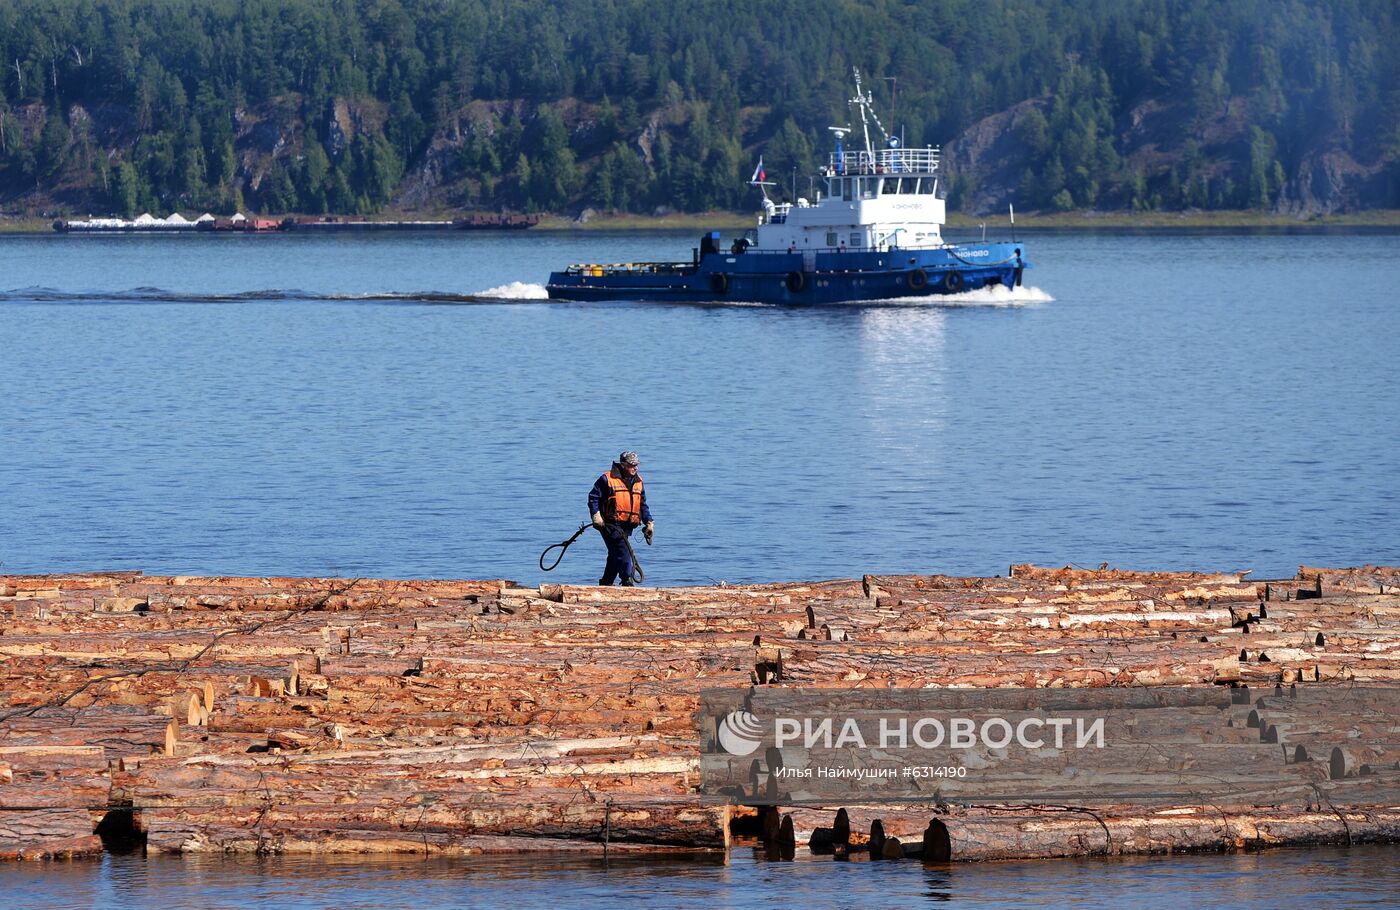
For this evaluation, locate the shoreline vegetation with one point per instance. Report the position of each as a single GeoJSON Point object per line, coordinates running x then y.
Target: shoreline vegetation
{"type": "Point", "coordinates": [364, 106]}
{"type": "Point", "coordinates": [1077, 220]}
{"type": "Point", "coordinates": [1026, 221]}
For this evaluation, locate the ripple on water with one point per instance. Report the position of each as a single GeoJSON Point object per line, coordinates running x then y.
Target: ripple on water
{"type": "Point", "coordinates": [1352, 877]}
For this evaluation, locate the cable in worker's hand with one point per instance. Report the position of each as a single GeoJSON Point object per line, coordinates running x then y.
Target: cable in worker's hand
{"type": "Point", "coordinates": [638, 576]}
{"type": "Point", "coordinates": [562, 547]}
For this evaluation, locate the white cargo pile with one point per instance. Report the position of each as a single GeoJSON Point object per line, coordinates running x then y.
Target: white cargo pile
{"type": "Point", "coordinates": [144, 222]}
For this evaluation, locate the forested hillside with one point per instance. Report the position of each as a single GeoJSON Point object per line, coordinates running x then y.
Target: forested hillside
{"type": "Point", "coordinates": [355, 106]}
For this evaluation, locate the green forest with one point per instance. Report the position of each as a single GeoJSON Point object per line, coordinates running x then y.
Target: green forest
{"type": "Point", "coordinates": [357, 106]}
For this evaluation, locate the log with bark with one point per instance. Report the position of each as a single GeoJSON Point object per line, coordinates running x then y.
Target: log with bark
{"type": "Point", "coordinates": [456, 716]}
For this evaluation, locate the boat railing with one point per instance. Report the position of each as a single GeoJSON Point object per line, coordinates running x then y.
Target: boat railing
{"type": "Point", "coordinates": [891, 247]}
{"type": "Point", "coordinates": [885, 161]}
{"type": "Point", "coordinates": [591, 269]}
{"type": "Point", "coordinates": [778, 214]}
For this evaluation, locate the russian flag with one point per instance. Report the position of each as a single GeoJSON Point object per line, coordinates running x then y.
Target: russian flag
{"type": "Point", "coordinates": [758, 174]}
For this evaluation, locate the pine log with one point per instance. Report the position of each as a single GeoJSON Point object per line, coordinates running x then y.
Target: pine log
{"type": "Point", "coordinates": [444, 698]}
{"type": "Point", "coordinates": [47, 834]}
{"type": "Point", "coordinates": [122, 732]}
{"type": "Point", "coordinates": [983, 834]}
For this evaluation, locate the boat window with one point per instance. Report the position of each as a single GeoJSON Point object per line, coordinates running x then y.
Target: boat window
{"type": "Point", "coordinates": [846, 188]}
{"type": "Point", "coordinates": [869, 186]}
{"type": "Point", "coordinates": [831, 239]}
{"type": "Point", "coordinates": [855, 238]}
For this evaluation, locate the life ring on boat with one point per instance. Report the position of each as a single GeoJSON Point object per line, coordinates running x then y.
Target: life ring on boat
{"type": "Point", "coordinates": [796, 282]}
{"type": "Point", "coordinates": [953, 281]}
{"type": "Point", "coordinates": [917, 280]}
{"type": "Point", "coordinates": [719, 283]}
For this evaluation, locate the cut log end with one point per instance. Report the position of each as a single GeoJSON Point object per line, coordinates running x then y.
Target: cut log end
{"type": "Point", "coordinates": [841, 827]}
{"type": "Point", "coordinates": [938, 846]}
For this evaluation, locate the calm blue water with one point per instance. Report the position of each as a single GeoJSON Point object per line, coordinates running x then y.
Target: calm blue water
{"type": "Point", "coordinates": [239, 405]}
{"type": "Point", "coordinates": [1209, 401]}
{"type": "Point", "coordinates": [1355, 877]}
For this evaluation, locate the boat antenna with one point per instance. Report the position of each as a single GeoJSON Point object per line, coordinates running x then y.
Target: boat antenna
{"type": "Point", "coordinates": [1011, 207]}
{"type": "Point", "coordinates": [859, 102]}
{"type": "Point", "coordinates": [864, 102]}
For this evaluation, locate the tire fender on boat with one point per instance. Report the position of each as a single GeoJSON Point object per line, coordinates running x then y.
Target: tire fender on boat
{"type": "Point", "coordinates": [917, 280]}
{"type": "Point", "coordinates": [796, 282]}
{"type": "Point", "coordinates": [719, 283]}
{"type": "Point", "coordinates": [953, 281]}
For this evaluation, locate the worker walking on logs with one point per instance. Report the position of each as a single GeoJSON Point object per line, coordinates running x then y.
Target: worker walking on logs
{"type": "Point", "coordinates": [618, 504]}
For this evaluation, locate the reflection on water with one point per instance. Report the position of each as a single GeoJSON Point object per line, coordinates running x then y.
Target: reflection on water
{"type": "Point", "coordinates": [901, 376]}
{"type": "Point", "coordinates": [1334, 877]}
{"type": "Point", "coordinates": [903, 335]}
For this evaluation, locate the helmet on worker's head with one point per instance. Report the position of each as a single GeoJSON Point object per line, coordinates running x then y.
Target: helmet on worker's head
{"type": "Point", "coordinates": [629, 458]}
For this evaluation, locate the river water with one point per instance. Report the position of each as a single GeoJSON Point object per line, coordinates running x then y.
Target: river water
{"type": "Point", "coordinates": [345, 406]}
{"type": "Point", "coordinates": [1332, 877]}
{"type": "Point", "coordinates": [407, 406]}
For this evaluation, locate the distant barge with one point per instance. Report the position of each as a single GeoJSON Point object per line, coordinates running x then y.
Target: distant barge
{"type": "Point", "coordinates": [470, 223]}
{"type": "Point", "coordinates": [176, 223]}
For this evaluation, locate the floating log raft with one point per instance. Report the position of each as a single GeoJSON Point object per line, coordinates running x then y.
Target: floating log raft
{"type": "Point", "coordinates": [320, 714]}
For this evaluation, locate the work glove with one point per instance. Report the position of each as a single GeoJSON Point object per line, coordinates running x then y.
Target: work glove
{"type": "Point", "coordinates": [598, 521]}
{"type": "Point", "coordinates": [648, 530]}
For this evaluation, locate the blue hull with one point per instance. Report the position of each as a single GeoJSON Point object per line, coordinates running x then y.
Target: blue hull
{"type": "Point", "coordinates": [831, 276]}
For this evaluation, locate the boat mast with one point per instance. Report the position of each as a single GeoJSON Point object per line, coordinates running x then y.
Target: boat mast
{"type": "Point", "coordinates": [860, 102]}
{"type": "Point", "coordinates": [865, 102]}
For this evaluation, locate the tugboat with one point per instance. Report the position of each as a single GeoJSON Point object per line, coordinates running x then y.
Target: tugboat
{"type": "Point", "coordinates": [875, 234]}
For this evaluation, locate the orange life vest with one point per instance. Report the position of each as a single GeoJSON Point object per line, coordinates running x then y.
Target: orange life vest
{"type": "Point", "coordinates": [624, 505]}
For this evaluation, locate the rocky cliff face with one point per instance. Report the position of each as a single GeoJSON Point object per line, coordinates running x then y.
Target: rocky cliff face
{"type": "Point", "coordinates": [441, 178]}
{"type": "Point", "coordinates": [1332, 181]}
{"type": "Point", "coordinates": [987, 161]}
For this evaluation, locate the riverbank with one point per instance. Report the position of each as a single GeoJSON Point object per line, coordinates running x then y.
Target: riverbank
{"type": "Point", "coordinates": [1076, 220]}
{"type": "Point", "coordinates": [1381, 219]}
{"type": "Point", "coordinates": [305, 715]}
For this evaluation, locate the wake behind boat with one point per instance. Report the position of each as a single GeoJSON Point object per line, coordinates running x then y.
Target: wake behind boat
{"type": "Point", "coordinates": [875, 234]}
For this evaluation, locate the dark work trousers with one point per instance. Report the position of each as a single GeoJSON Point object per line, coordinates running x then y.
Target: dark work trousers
{"type": "Point", "coordinates": [619, 563]}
